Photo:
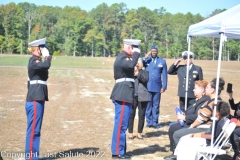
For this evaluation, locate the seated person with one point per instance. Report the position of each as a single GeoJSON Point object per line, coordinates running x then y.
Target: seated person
{"type": "Point", "coordinates": [191, 112]}
{"type": "Point", "coordinates": [234, 138]}
{"type": "Point", "coordinates": [203, 121]}
{"type": "Point", "coordinates": [188, 145]}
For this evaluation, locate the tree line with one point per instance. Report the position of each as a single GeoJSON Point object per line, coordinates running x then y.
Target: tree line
{"type": "Point", "coordinates": [73, 31]}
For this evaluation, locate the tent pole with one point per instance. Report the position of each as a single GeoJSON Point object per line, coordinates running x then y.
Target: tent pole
{"type": "Point", "coordinates": [187, 73]}
{"type": "Point", "coordinates": [217, 87]}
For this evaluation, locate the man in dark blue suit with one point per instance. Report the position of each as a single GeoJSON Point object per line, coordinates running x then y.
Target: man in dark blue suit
{"type": "Point", "coordinates": [195, 73]}
{"type": "Point", "coordinates": [156, 85]}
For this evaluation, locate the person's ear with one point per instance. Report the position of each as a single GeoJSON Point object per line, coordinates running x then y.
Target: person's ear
{"type": "Point", "coordinates": [213, 90]}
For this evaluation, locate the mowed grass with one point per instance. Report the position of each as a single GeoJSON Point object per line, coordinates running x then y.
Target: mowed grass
{"type": "Point", "coordinates": [60, 61]}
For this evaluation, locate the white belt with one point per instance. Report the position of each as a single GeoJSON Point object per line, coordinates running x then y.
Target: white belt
{"type": "Point", "coordinates": [38, 82]}
{"type": "Point", "coordinates": [125, 79]}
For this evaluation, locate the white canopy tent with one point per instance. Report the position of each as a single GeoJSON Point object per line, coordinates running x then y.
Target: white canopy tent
{"type": "Point", "coordinates": [223, 25]}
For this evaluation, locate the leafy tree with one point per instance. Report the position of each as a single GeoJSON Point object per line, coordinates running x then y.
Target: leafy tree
{"type": "Point", "coordinates": [11, 22]}
{"type": "Point", "coordinates": [75, 32]}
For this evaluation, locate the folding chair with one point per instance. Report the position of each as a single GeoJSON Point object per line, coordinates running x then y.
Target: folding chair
{"type": "Point", "coordinates": [223, 129]}
{"type": "Point", "coordinates": [217, 142]}
{"type": "Point", "coordinates": [209, 153]}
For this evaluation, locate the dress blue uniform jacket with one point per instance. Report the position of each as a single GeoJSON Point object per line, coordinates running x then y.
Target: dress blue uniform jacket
{"type": "Point", "coordinates": [38, 71]}
{"type": "Point", "coordinates": [36, 97]}
{"type": "Point", "coordinates": [124, 68]}
{"type": "Point", "coordinates": [157, 74]}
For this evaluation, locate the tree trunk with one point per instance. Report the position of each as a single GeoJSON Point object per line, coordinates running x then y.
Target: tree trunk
{"type": "Point", "coordinates": [74, 49]}
{"type": "Point", "coordinates": [228, 54]}
{"type": "Point", "coordinates": [30, 17]}
{"type": "Point", "coordinates": [29, 29]}
{"type": "Point", "coordinates": [21, 46]}
{"type": "Point", "coordinates": [213, 50]}
{"type": "Point", "coordinates": [145, 40]}
{"type": "Point", "coordinates": [166, 44]}
{"type": "Point", "coordinates": [104, 50]}
{"type": "Point", "coordinates": [92, 49]}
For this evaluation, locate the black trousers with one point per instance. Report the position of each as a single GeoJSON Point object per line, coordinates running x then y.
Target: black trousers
{"type": "Point", "coordinates": [171, 130]}
{"type": "Point", "coordinates": [141, 115]}
{"type": "Point", "coordinates": [182, 102]}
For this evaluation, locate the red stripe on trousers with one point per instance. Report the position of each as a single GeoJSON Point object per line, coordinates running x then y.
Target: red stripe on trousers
{"type": "Point", "coordinates": [33, 127]}
{"type": "Point", "coordinates": [119, 127]}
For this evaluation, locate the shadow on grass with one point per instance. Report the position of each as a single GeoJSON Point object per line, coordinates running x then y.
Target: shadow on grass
{"type": "Point", "coordinates": [79, 153]}
{"type": "Point", "coordinates": [158, 132]}
{"type": "Point", "coordinates": [148, 150]}
{"type": "Point", "coordinates": [166, 123]}
{"type": "Point", "coordinates": [155, 133]}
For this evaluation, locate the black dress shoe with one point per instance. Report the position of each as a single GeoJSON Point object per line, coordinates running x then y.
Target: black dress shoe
{"type": "Point", "coordinates": [149, 126]}
{"type": "Point", "coordinates": [157, 126]}
{"type": "Point", "coordinates": [123, 156]}
{"type": "Point", "coordinates": [168, 156]}
{"type": "Point", "coordinates": [171, 157]}
{"type": "Point", "coordinates": [129, 155]}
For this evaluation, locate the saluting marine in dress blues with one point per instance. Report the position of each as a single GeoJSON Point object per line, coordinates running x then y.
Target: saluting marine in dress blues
{"type": "Point", "coordinates": [122, 95]}
{"type": "Point", "coordinates": [36, 96]}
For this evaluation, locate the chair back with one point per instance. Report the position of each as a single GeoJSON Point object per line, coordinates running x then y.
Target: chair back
{"type": "Point", "coordinates": [217, 142]}
{"type": "Point", "coordinates": [224, 138]}
{"type": "Point", "coordinates": [209, 153]}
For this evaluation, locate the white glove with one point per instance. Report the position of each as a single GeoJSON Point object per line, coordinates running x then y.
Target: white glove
{"type": "Point", "coordinates": [45, 52]}
{"type": "Point", "coordinates": [136, 50]}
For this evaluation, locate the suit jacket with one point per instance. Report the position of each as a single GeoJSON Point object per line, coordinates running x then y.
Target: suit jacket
{"type": "Point", "coordinates": [124, 68]}
{"type": "Point", "coordinates": [157, 74]}
{"type": "Point", "coordinates": [195, 73]}
{"type": "Point", "coordinates": [192, 111]}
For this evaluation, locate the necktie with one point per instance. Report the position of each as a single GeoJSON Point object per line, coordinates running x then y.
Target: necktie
{"type": "Point", "coordinates": [153, 60]}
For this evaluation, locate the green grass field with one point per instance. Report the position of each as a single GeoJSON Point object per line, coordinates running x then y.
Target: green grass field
{"type": "Point", "coordinates": [59, 61]}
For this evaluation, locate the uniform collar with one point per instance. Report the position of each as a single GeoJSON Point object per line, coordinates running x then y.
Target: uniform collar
{"type": "Point", "coordinates": [190, 66]}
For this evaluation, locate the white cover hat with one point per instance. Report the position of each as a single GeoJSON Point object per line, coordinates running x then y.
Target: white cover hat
{"type": "Point", "coordinates": [185, 54]}
{"type": "Point", "coordinates": [135, 42]}
{"type": "Point", "coordinates": [37, 43]}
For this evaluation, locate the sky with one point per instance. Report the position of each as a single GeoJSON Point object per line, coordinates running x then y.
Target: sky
{"type": "Point", "coordinates": [203, 7]}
